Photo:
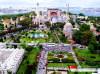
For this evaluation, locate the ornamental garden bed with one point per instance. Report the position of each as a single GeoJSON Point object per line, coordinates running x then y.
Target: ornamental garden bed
{"type": "Point", "coordinates": [60, 59]}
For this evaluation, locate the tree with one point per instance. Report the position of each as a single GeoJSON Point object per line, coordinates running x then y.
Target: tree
{"type": "Point", "coordinates": [59, 25]}
{"type": "Point", "coordinates": [29, 48]}
{"type": "Point", "coordinates": [26, 22]}
{"type": "Point", "coordinates": [77, 36]}
{"type": "Point", "coordinates": [82, 37]}
{"type": "Point", "coordinates": [16, 39]}
{"type": "Point", "coordinates": [84, 27]}
{"type": "Point", "coordinates": [78, 21]}
{"type": "Point", "coordinates": [1, 26]}
{"type": "Point", "coordinates": [48, 24]}
{"type": "Point", "coordinates": [81, 14]}
{"type": "Point", "coordinates": [62, 38]}
{"type": "Point", "coordinates": [1, 39]}
{"type": "Point", "coordinates": [98, 38]}
{"type": "Point", "coordinates": [64, 12]}
{"type": "Point", "coordinates": [34, 13]}
{"type": "Point", "coordinates": [86, 37]}
{"type": "Point", "coordinates": [98, 48]}
{"type": "Point", "coordinates": [14, 17]}
{"type": "Point", "coordinates": [72, 22]}
{"type": "Point", "coordinates": [70, 13]}
{"type": "Point", "coordinates": [93, 45]}
{"type": "Point", "coordinates": [98, 28]}
{"type": "Point", "coordinates": [40, 47]}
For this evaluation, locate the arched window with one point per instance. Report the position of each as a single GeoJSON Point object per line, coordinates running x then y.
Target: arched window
{"type": "Point", "coordinates": [53, 14]}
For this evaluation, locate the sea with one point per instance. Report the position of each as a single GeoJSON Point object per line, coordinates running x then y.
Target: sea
{"type": "Point", "coordinates": [74, 10]}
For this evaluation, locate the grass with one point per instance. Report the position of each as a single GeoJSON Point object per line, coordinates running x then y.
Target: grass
{"type": "Point", "coordinates": [85, 53]}
{"type": "Point", "coordinates": [32, 55]}
{"type": "Point", "coordinates": [31, 58]}
{"type": "Point", "coordinates": [29, 40]}
{"type": "Point", "coordinates": [80, 73]}
{"type": "Point", "coordinates": [60, 64]}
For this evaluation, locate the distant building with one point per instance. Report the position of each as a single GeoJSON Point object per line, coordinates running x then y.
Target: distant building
{"type": "Point", "coordinates": [82, 17]}
{"type": "Point", "coordinates": [42, 27]}
{"type": "Point", "coordinates": [53, 13]}
{"type": "Point", "coordinates": [36, 20]}
{"type": "Point", "coordinates": [56, 15]}
{"type": "Point", "coordinates": [94, 30]}
{"type": "Point", "coordinates": [8, 23]}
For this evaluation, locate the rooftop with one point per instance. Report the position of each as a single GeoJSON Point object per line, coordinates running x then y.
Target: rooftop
{"type": "Point", "coordinates": [4, 55]}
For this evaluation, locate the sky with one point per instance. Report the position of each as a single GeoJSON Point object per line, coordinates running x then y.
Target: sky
{"type": "Point", "coordinates": [50, 3]}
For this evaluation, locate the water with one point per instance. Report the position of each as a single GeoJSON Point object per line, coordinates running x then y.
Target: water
{"type": "Point", "coordinates": [76, 10]}
{"type": "Point", "coordinates": [38, 35]}
{"type": "Point", "coordinates": [86, 11]}
{"type": "Point", "coordinates": [12, 11]}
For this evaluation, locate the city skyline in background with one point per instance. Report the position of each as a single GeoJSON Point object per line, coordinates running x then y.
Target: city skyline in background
{"type": "Point", "coordinates": [49, 3]}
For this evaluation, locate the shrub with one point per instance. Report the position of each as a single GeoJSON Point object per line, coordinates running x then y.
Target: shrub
{"type": "Point", "coordinates": [55, 60]}
{"type": "Point", "coordinates": [68, 61]}
{"type": "Point", "coordinates": [29, 48]}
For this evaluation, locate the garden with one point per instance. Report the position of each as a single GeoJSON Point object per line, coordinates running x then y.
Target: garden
{"type": "Point", "coordinates": [34, 37]}
{"type": "Point", "coordinates": [87, 59]}
{"type": "Point", "coordinates": [60, 59]}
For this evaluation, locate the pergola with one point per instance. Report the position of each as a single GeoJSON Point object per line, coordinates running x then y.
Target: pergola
{"type": "Point", "coordinates": [10, 59]}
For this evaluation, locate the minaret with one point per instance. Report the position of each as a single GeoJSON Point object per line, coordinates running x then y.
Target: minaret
{"type": "Point", "coordinates": [37, 19]}
{"type": "Point", "coordinates": [37, 11]}
{"type": "Point", "coordinates": [67, 5]}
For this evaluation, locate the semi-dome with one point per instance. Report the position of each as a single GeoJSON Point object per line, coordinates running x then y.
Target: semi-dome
{"type": "Point", "coordinates": [67, 30]}
{"type": "Point", "coordinates": [68, 24]}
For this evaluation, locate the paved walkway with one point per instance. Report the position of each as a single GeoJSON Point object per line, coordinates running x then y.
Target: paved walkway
{"type": "Point", "coordinates": [56, 68]}
{"type": "Point", "coordinates": [41, 69]}
{"type": "Point", "coordinates": [62, 72]}
{"type": "Point", "coordinates": [75, 58]}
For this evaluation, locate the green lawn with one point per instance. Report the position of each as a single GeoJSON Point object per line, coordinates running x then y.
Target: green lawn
{"type": "Point", "coordinates": [60, 64]}
{"type": "Point", "coordinates": [31, 58]}
{"type": "Point", "coordinates": [85, 53]}
{"type": "Point", "coordinates": [79, 73]}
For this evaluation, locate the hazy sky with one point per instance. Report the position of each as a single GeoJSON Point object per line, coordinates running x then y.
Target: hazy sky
{"type": "Point", "coordinates": [50, 3]}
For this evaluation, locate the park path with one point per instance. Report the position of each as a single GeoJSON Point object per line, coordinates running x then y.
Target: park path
{"type": "Point", "coordinates": [75, 58]}
{"type": "Point", "coordinates": [41, 69]}
{"type": "Point", "coordinates": [57, 36]}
